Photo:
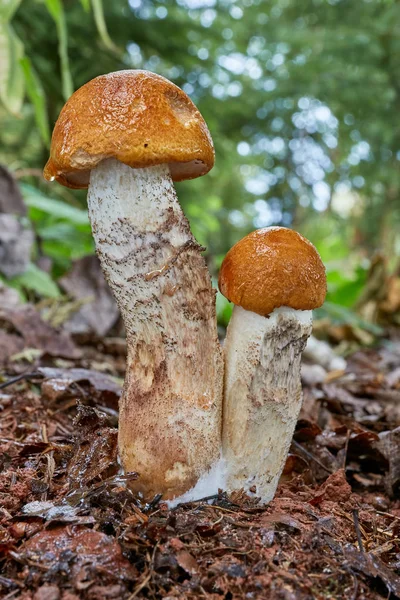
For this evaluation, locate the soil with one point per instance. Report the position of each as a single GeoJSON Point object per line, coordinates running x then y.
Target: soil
{"type": "Point", "coordinates": [71, 529]}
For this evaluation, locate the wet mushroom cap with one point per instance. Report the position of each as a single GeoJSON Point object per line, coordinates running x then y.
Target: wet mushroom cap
{"type": "Point", "coordinates": [137, 117]}
{"type": "Point", "coordinates": [273, 267]}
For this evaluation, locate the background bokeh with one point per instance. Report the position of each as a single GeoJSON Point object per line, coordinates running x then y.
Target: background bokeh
{"type": "Point", "coordinates": [302, 100]}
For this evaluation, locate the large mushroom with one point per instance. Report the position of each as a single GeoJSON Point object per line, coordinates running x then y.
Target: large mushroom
{"type": "Point", "coordinates": [275, 277]}
{"type": "Point", "coordinates": [127, 136]}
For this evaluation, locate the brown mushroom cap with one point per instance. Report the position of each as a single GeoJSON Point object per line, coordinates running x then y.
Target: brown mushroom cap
{"type": "Point", "coordinates": [137, 117]}
{"type": "Point", "coordinates": [273, 267]}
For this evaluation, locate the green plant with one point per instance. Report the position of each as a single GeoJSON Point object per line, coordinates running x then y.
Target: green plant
{"type": "Point", "coordinates": [18, 76]}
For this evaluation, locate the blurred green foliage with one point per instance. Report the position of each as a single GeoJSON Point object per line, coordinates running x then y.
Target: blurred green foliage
{"type": "Point", "coordinates": [301, 99]}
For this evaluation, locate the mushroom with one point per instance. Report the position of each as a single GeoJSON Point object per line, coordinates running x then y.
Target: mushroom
{"type": "Point", "coordinates": [275, 277]}
{"type": "Point", "coordinates": [128, 135]}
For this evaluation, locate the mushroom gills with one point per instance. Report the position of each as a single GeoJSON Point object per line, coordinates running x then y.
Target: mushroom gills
{"type": "Point", "coordinates": [170, 409]}
{"type": "Point", "coordinates": [263, 395]}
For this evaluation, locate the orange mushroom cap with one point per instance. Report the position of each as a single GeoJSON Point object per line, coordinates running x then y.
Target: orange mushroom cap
{"type": "Point", "coordinates": [137, 117]}
{"type": "Point", "coordinates": [273, 267]}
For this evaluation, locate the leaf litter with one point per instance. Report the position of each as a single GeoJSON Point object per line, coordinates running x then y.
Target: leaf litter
{"type": "Point", "coordinates": [70, 528]}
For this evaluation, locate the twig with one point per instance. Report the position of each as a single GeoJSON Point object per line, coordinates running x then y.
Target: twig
{"type": "Point", "coordinates": [346, 447]}
{"type": "Point", "coordinates": [241, 524]}
{"type": "Point", "coordinates": [11, 594]}
{"type": "Point", "coordinates": [357, 528]}
{"type": "Point", "coordinates": [147, 578]}
{"type": "Point", "coordinates": [25, 561]}
{"type": "Point", "coordinates": [233, 512]}
{"type": "Point", "coordinates": [386, 514]}
{"type": "Point", "coordinates": [311, 456]}
{"type": "Point", "coordinates": [31, 375]}
{"type": "Point", "coordinates": [5, 440]}
{"type": "Point", "coordinates": [205, 499]}
{"type": "Point", "coordinates": [217, 521]}
{"type": "Point", "coordinates": [140, 586]}
{"type": "Point", "coordinates": [355, 582]}
{"type": "Point", "coordinates": [283, 573]}
{"type": "Point", "coordinates": [153, 503]}
{"type": "Point", "coordinates": [6, 582]}
{"type": "Point", "coordinates": [51, 464]}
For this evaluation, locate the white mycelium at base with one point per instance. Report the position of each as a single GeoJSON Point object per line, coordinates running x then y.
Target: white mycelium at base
{"type": "Point", "coordinates": [263, 396]}
{"type": "Point", "coordinates": [208, 484]}
{"type": "Point", "coordinates": [170, 410]}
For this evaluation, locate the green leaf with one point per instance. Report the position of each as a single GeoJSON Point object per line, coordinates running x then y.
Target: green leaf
{"type": "Point", "coordinates": [7, 9]}
{"type": "Point", "coordinates": [37, 280]}
{"type": "Point", "coordinates": [63, 254]}
{"type": "Point", "coordinates": [11, 76]}
{"type": "Point", "coordinates": [6, 282]}
{"type": "Point", "coordinates": [56, 10]}
{"type": "Point", "coordinates": [59, 210]}
{"type": "Point", "coordinates": [346, 294]}
{"type": "Point", "coordinates": [98, 12]}
{"type": "Point", "coordinates": [341, 314]}
{"type": "Point", "coordinates": [37, 97]}
{"type": "Point", "coordinates": [85, 5]}
{"type": "Point", "coordinates": [62, 231]}
{"type": "Point", "coordinates": [224, 309]}
{"type": "Point", "coordinates": [65, 240]}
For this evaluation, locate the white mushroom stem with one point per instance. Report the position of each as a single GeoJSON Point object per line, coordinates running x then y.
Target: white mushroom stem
{"type": "Point", "coordinates": [170, 410]}
{"type": "Point", "coordinates": [263, 395]}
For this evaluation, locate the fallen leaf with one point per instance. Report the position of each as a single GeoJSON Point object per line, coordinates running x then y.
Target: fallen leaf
{"type": "Point", "coordinates": [63, 513]}
{"type": "Point", "coordinates": [281, 519]}
{"type": "Point", "coordinates": [58, 384]}
{"type": "Point", "coordinates": [372, 566]}
{"type": "Point", "coordinates": [187, 562]}
{"type": "Point", "coordinates": [86, 281]}
{"type": "Point", "coordinates": [96, 450]}
{"type": "Point", "coordinates": [36, 333]}
{"type": "Point", "coordinates": [10, 344]}
{"type": "Point", "coordinates": [393, 378]}
{"type": "Point", "coordinates": [11, 200]}
{"type": "Point", "coordinates": [47, 592]}
{"type": "Point", "coordinates": [99, 553]}
{"type": "Point", "coordinates": [16, 243]}
{"type": "Point", "coordinates": [306, 430]}
{"type": "Point", "coordinates": [294, 463]}
{"type": "Point", "coordinates": [9, 298]}
{"type": "Point", "coordinates": [389, 446]}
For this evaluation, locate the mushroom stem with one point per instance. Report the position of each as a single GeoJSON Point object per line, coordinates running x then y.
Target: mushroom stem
{"type": "Point", "coordinates": [170, 410]}
{"type": "Point", "coordinates": [263, 395]}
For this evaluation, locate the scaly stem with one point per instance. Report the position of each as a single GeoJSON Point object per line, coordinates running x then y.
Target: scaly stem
{"type": "Point", "coordinates": [262, 397]}
{"type": "Point", "coordinates": [170, 410]}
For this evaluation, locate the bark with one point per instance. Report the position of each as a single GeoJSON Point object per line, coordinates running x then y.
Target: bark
{"type": "Point", "coordinates": [170, 411]}
{"type": "Point", "coordinates": [263, 396]}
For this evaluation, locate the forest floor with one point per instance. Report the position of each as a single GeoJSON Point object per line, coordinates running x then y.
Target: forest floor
{"type": "Point", "coordinates": [71, 529]}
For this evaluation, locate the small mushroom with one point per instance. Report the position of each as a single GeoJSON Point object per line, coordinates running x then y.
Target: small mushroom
{"type": "Point", "coordinates": [275, 277]}
{"type": "Point", "coordinates": [128, 135]}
